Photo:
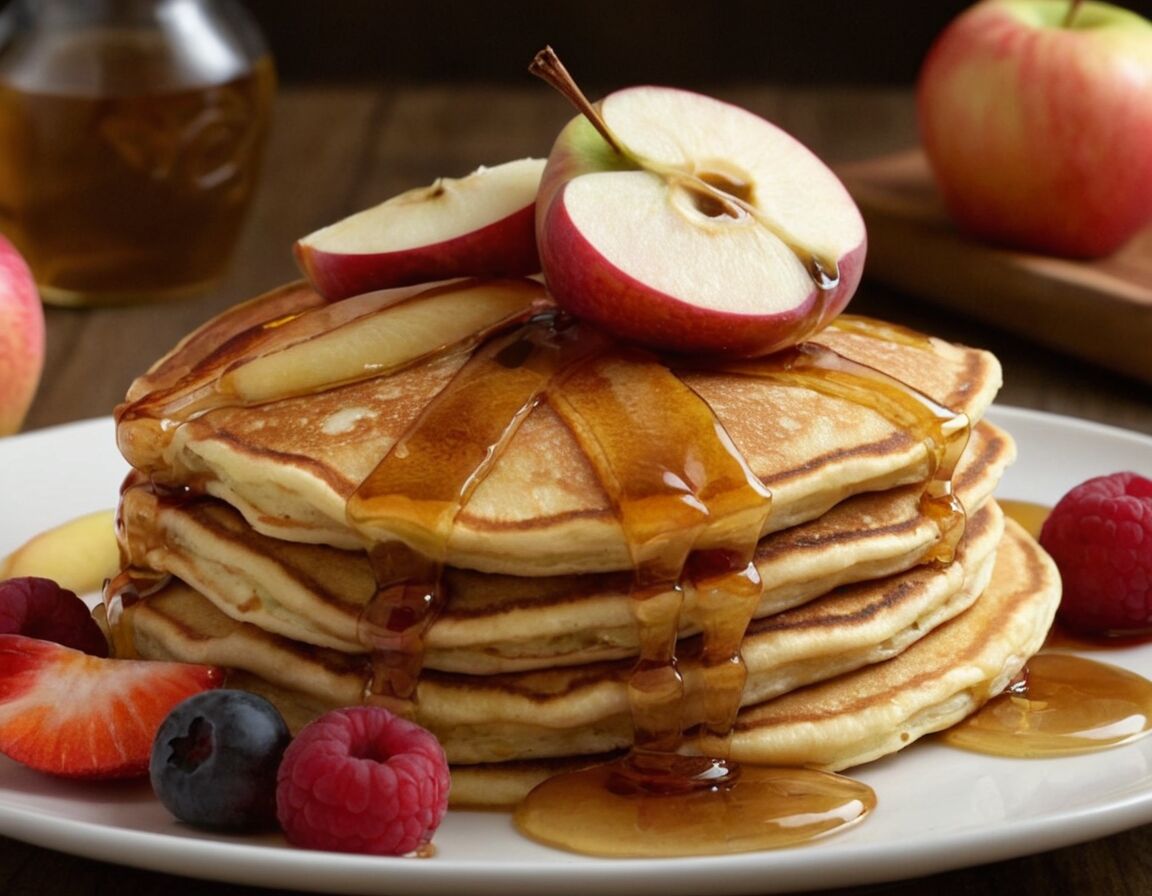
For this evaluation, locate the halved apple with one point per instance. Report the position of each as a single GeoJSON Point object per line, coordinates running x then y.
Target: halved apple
{"type": "Point", "coordinates": [688, 224]}
{"type": "Point", "coordinates": [478, 225]}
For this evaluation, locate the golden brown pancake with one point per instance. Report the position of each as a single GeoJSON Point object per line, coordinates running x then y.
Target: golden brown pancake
{"type": "Point", "coordinates": [497, 623]}
{"type": "Point", "coordinates": [874, 711]}
{"type": "Point", "coordinates": [537, 477]}
{"type": "Point", "coordinates": [584, 709]}
{"type": "Point", "coordinates": [946, 672]}
{"type": "Point", "coordinates": [930, 686]}
{"type": "Point", "coordinates": [291, 465]}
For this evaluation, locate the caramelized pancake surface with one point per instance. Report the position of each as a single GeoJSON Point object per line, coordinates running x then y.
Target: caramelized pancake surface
{"type": "Point", "coordinates": [495, 623]}
{"type": "Point", "coordinates": [983, 632]}
{"type": "Point", "coordinates": [584, 709]}
{"type": "Point", "coordinates": [290, 466]}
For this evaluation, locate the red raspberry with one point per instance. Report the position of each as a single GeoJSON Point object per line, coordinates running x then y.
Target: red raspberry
{"type": "Point", "coordinates": [39, 608]}
{"type": "Point", "coordinates": [1100, 535]}
{"type": "Point", "coordinates": [362, 780]}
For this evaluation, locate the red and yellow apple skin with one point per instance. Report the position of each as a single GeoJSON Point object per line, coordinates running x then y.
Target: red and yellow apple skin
{"type": "Point", "coordinates": [21, 338]}
{"type": "Point", "coordinates": [624, 244]}
{"type": "Point", "coordinates": [505, 248]}
{"type": "Point", "coordinates": [479, 225]}
{"type": "Point", "coordinates": [1038, 134]}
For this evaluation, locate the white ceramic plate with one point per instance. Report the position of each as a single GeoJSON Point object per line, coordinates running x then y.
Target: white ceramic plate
{"type": "Point", "coordinates": [939, 808]}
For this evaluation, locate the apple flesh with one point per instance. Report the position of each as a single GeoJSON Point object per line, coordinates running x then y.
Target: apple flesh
{"type": "Point", "coordinates": [703, 229]}
{"type": "Point", "coordinates": [21, 338]}
{"type": "Point", "coordinates": [1037, 129]}
{"type": "Point", "coordinates": [78, 555]}
{"type": "Point", "coordinates": [478, 225]}
{"type": "Point", "coordinates": [327, 346]}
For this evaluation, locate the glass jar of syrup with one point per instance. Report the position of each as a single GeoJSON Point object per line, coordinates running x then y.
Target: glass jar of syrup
{"type": "Point", "coordinates": [131, 133]}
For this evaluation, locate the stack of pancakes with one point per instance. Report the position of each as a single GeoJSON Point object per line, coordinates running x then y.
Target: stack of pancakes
{"type": "Point", "coordinates": [882, 617]}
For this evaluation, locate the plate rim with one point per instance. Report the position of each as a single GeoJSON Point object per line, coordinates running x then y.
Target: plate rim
{"type": "Point", "coordinates": [230, 860]}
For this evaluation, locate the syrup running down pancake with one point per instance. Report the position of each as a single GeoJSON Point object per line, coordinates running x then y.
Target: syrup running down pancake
{"type": "Point", "coordinates": [547, 547]}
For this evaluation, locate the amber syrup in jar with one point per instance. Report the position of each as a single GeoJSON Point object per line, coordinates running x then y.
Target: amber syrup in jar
{"type": "Point", "coordinates": [131, 135]}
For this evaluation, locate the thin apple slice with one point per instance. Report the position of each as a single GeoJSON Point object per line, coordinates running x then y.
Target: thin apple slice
{"type": "Point", "coordinates": [78, 554]}
{"type": "Point", "coordinates": [380, 343]}
{"type": "Point", "coordinates": [478, 225]}
{"type": "Point", "coordinates": [367, 336]}
{"type": "Point", "coordinates": [206, 349]}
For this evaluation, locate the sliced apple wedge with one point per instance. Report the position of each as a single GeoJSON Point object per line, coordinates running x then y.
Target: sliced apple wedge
{"type": "Point", "coordinates": [688, 224]}
{"type": "Point", "coordinates": [438, 318]}
{"type": "Point", "coordinates": [370, 335]}
{"type": "Point", "coordinates": [478, 225]}
{"type": "Point", "coordinates": [78, 554]}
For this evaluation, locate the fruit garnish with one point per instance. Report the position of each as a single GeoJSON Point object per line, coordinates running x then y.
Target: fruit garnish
{"type": "Point", "coordinates": [362, 780]}
{"type": "Point", "coordinates": [215, 758]}
{"type": "Point", "coordinates": [478, 225]}
{"type": "Point", "coordinates": [39, 608]}
{"type": "Point", "coordinates": [78, 554]}
{"type": "Point", "coordinates": [996, 98]}
{"type": "Point", "coordinates": [1100, 536]}
{"type": "Point", "coordinates": [689, 224]}
{"type": "Point", "coordinates": [21, 338]}
{"type": "Point", "coordinates": [70, 714]}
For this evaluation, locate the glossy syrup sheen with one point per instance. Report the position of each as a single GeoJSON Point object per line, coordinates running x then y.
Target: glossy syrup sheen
{"type": "Point", "coordinates": [671, 472]}
{"type": "Point", "coordinates": [1062, 704]}
{"type": "Point", "coordinates": [1065, 704]}
{"type": "Point", "coordinates": [598, 811]}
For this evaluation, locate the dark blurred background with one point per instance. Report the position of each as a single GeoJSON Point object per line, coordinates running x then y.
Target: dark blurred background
{"type": "Point", "coordinates": [606, 43]}
{"type": "Point", "coordinates": [610, 43]}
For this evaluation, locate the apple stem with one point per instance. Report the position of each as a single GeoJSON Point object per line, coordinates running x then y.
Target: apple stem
{"type": "Point", "coordinates": [547, 66]}
{"type": "Point", "coordinates": [1070, 16]}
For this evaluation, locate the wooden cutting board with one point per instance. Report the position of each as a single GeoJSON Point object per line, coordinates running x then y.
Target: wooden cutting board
{"type": "Point", "coordinates": [1098, 310]}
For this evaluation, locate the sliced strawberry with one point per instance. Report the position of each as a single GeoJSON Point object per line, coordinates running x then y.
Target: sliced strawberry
{"type": "Point", "coordinates": [67, 713]}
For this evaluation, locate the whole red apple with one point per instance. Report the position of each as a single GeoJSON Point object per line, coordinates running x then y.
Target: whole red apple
{"type": "Point", "coordinates": [21, 338]}
{"type": "Point", "coordinates": [1036, 116]}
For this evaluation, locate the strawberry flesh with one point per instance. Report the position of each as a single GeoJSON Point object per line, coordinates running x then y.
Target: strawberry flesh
{"type": "Point", "coordinates": [70, 714]}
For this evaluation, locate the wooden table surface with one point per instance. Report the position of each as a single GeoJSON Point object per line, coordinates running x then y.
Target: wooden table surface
{"type": "Point", "coordinates": [337, 149]}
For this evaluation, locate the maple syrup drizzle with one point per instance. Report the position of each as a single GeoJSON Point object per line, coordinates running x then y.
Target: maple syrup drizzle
{"type": "Point", "coordinates": [133, 582]}
{"type": "Point", "coordinates": [670, 471]}
{"type": "Point", "coordinates": [943, 432]}
{"type": "Point", "coordinates": [672, 474]}
{"type": "Point", "coordinates": [407, 505]}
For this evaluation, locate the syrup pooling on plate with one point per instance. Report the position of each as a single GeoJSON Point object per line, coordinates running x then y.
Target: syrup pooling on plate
{"type": "Point", "coordinates": [1062, 704]}
{"type": "Point", "coordinates": [691, 512]}
{"type": "Point", "coordinates": [670, 469]}
{"type": "Point", "coordinates": [599, 811]}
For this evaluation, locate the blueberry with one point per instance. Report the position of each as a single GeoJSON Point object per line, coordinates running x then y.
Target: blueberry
{"type": "Point", "coordinates": [215, 758]}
